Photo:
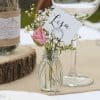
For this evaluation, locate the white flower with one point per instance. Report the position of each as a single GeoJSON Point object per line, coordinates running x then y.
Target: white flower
{"type": "Point", "coordinates": [29, 14]}
{"type": "Point", "coordinates": [26, 11]}
{"type": "Point", "coordinates": [32, 8]}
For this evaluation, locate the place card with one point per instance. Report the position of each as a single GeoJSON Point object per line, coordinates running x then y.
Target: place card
{"type": "Point", "coordinates": [63, 25]}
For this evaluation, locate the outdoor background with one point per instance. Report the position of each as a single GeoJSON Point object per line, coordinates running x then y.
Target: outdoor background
{"type": "Point", "coordinates": [26, 4]}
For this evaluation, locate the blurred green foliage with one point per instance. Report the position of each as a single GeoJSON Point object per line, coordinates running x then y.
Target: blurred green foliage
{"type": "Point", "coordinates": [26, 4]}
{"type": "Point", "coordinates": [95, 17]}
{"type": "Point", "coordinates": [25, 20]}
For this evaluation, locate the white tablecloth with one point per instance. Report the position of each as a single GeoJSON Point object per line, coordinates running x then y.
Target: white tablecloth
{"type": "Point", "coordinates": [86, 33]}
{"type": "Point", "coordinates": [13, 95]}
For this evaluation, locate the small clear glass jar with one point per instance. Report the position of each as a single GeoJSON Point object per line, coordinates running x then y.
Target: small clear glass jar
{"type": "Point", "coordinates": [50, 73]}
{"type": "Point", "coordinates": [9, 26]}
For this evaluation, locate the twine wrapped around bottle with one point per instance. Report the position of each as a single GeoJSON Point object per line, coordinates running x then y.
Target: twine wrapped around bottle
{"type": "Point", "coordinates": [9, 14]}
{"type": "Point", "coordinates": [9, 28]}
{"type": "Point", "coordinates": [9, 23]}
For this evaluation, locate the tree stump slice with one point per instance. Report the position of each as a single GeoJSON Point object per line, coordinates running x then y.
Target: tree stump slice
{"type": "Point", "coordinates": [18, 64]}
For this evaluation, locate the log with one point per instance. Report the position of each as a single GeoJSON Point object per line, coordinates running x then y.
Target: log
{"type": "Point", "coordinates": [18, 64]}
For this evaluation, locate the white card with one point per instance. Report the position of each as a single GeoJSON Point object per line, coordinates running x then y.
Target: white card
{"type": "Point", "coordinates": [63, 25]}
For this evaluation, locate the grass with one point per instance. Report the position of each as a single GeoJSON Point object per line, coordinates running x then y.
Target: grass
{"type": "Point", "coordinates": [25, 20]}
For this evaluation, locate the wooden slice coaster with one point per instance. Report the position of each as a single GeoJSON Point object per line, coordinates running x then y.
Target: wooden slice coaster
{"type": "Point", "coordinates": [20, 63]}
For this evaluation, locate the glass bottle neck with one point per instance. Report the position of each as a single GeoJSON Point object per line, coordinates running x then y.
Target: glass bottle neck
{"type": "Point", "coordinates": [50, 56]}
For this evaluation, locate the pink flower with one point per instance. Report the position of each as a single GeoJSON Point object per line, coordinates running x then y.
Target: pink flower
{"type": "Point", "coordinates": [39, 36]}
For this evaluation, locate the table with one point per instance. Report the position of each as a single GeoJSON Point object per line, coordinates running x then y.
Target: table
{"type": "Point", "coordinates": [87, 34]}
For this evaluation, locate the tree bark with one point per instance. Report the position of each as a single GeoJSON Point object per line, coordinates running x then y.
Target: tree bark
{"type": "Point", "coordinates": [18, 64]}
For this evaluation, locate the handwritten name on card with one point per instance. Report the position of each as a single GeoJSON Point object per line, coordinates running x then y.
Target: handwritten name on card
{"type": "Point", "coordinates": [63, 25]}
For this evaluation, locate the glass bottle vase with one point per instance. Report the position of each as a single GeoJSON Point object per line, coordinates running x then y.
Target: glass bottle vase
{"type": "Point", "coordinates": [50, 73]}
{"type": "Point", "coordinates": [9, 26]}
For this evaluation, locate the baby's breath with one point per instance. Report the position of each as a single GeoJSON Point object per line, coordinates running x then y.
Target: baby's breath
{"type": "Point", "coordinates": [53, 43]}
